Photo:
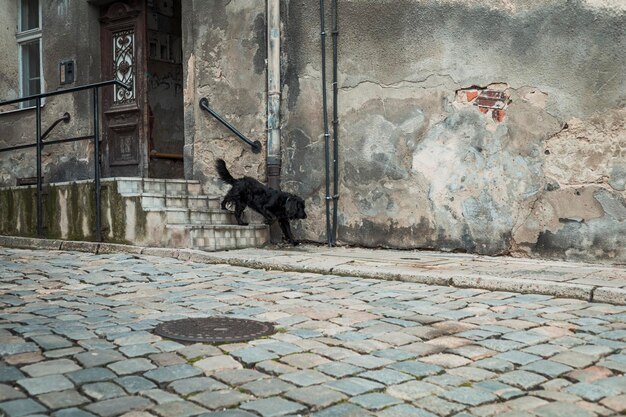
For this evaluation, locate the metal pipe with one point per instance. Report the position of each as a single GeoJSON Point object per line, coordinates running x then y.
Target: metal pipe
{"type": "Point", "coordinates": [39, 182]}
{"type": "Point", "coordinates": [96, 161]}
{"type": "Point", "coordinates": [274, 159]}
{"type": "Point", "coordinates": [256, 145]}
{"type": "Point", "coordinates": [326, 132]}
{"type": "Point", "coordinates": [335, 121]}
{"type": "Point", "coordinates": [65, 118]}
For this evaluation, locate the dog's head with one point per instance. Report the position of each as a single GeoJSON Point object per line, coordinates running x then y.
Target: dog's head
{"type": "Point", "coordinates": [294, 207]}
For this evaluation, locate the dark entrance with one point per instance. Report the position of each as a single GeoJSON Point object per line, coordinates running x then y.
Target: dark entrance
{"type": "Point", "coordinates": [143, 128]}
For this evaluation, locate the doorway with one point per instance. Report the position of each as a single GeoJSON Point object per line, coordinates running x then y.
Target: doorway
{"type": "Point", "coordinates": [143, 128]}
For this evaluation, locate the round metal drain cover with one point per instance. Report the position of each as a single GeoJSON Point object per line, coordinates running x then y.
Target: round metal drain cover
{"type": "Point", "coordinates": [214, 329]}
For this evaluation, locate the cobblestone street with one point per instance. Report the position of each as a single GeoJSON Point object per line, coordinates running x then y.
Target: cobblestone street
{"type": "Point", "coordinates": [76, 340]}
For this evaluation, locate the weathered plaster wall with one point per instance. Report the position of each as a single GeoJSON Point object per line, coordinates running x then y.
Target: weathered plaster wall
{"type": "Point", "coordinates": [224, 60]}
{"type": "Point", "coordinates": [71, 31]}
{"type": "Point", "coordinates": [421, 166]}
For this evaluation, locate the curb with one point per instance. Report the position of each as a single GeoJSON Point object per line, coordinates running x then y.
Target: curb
{"type": "Point", "coordinates": [589, 293]}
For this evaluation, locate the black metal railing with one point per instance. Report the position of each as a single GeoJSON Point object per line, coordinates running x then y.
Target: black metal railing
{"type": "Point", "coordinates": [256, 145]}
{"type": "Point", "coordinates": [39, 144]}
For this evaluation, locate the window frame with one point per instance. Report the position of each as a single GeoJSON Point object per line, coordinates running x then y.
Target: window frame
{"type": "Point", "coordinates": [24, 37]}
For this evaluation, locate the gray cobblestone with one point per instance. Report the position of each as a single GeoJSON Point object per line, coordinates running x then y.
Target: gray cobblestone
{"type": "Point", "coordinates": [342, 338]}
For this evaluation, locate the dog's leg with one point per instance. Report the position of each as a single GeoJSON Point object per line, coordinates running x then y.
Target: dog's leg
{"type": "Point", "coordinates": [239, 208]}
{"type": "Point", "coordinates": [286, 228]}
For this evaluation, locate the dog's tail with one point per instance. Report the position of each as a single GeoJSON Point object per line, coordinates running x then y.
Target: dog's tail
{"type": "Point", "coordinates": [220, 165]}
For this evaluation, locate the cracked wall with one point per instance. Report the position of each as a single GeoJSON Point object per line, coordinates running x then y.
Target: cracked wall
{"type": "Point", "coordinates": [68, 33]}
{"type": "Point", "coordinates": [423, 166]}
{"type": "Point", "coordinates": [224, 60]}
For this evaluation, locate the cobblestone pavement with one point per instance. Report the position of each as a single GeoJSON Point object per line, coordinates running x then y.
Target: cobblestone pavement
{"type": "Point", "coordinates": [76, 340]}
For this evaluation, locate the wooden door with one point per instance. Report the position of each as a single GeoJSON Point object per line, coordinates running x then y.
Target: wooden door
{"type": "Point", "coordinates": [124, 118]}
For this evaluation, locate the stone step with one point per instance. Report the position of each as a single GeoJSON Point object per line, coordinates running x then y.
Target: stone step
{"type": "Point", "coordinates": [182, 215]}
{"type": "Point", "coordinates": [163, 187]}
{"type": "Point", "coordinates": [217, 237]}
{"type": "Point", "coordinates": [160, 201]}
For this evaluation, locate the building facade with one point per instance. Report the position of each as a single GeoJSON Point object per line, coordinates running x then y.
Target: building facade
{"type": "Point", "coordinates": [491, 128]}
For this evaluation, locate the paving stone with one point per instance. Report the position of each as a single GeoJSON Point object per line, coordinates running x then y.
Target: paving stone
{"type": "Point", "coordinates": [446, 380]}
{"type": "Point", "coordinates": [194, 385]}
{"type": "Point", "coordinates": [7, 349]}
{"type": "Point", "coordinates": [178, 409]}
{"type": "Point", "coordinates": [10, 374]}
{"type": "Point", "coordinates": [547, 368]}
{"type": "Point", "coordinates": [560, 409]}
{"type": "Point", "coordinates": [44, 384]}
{"type": "Point", "coordinates": [274, 407]}
{"type": "Point", "coordinates": [118, 406]}
{"type": "Point", "coordinates": [214, 400]}
{"type": "Point", "coordinates": [439, 406]}
{"type": "Point", "coordinates": [304, 360]}
{"type": "Point", "coordinates": [544, 350]}
{"type": "Point", "coordinates": [134, 384]}
{"type": "Point", "coordinates": [306, 378]}
{"type": "Point", "coordinates": [131, 366]}
{"type": "Point", "coordinates": [339, 369]}
{"type": "Point", "coordinates": [527, 402]}
{"type": "Point", "coordinates": [96, 358]}
{"type": "Point", "coordinates": [343, 410]}
{"type": "Point", "coordinates": [503, 391]}
{"type": "Point", "coordinates": [24, 358]}
{"type": "Point", "coordinates": [472, 374]}
{"type": "Point", "coordinates": [395, 354]}
{"type": "Point", "coordinates": [412, 390]}
{"type": "Point", "coordinates": [315, 397]}
{"type": "Point", "coordinates": [72, 412]}
{"type": "Point", "coordinates": [238, 376]}
{"type": "Point", "coordinates": [416, 368]}
{"type": "Point", "coordinates": [143, 349]}
{"type": "Point", "coordinates": [160, 397]}
{"type": "Point", "coordinates": [386, 376]}
{"type": "Point", "coordinates": [60, 353]}
{"type": "Point", "coordinates": [522, 379]}
{"type": "Point", "coordinates": [517, 357]}
{"type": "Point", "coordinates": [166, 359]}
{"type": "Point", "coordinates": [51, 342]}
{"type": "Point", "coordinates": [574, 359]}
{"type": "Point", "coordinates": [22, 407]}
{"type": "Point", "coordinates": [375, 401]}
{"type": "Point", "coordinates": [354, 386]}
{"type": "Point", "coordinates": [275, 368]}
{"type": "Point", "coordinates": [617, 383]}
{"type": "Point", "coordinates": [252, 355]}
{"type": "Point", "coordinates": [267, 387]}
{"type": "Point", "coordinates": [367, 361]}
{"type": "Point", "coordinates": [91, 375]}
{"type": "Point", "coordinates": [199, 350]}
{"type": "Point", "coordinates": [229, 413]}
{"type": "Point", "coordinates": [616, 403]}
{"type": "Point", "coordinates": [9, 393]}
{"type": "Point", "coordinates": [103, 390]}
{"type": "Point", "coordinates": [217, 363]}
{"type": "Point", "coordinates": [469, 396]}
{"type": "Point", "coordinates": [172, 373]}
{"type": "Point", "coordinates": [57, 366]}
{"type": "Point", "coordinates": [591, 392]}
{"type": "Point", "coordinates": [494, 364]}
{"type": "Point", "coordinates": [63, 399]}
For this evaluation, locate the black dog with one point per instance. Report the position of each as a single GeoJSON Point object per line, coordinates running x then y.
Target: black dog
{"type": "Point", "coordinates": [272, 204]}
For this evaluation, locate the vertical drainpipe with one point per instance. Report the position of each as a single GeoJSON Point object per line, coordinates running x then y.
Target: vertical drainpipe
{"type": "Point", "coordinates": [273, 99]}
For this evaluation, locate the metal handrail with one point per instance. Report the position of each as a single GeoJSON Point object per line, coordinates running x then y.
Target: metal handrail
{"type": "Point", "coordinates": [66, 118]}
{"type": "Point", "coordinates": [39, 144]}
{"type": "Point", "coordinates": [256, 145]}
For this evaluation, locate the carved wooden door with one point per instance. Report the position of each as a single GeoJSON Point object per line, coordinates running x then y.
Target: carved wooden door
{"type": "Point", "coordinates": [124, 118]}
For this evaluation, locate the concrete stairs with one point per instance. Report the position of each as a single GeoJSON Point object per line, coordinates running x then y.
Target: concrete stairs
{"type": "Point", "coordinates": [181, 216]}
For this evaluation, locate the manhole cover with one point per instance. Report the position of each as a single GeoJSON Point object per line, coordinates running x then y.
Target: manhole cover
{"type": "Point", "coordinates": [214, 329]}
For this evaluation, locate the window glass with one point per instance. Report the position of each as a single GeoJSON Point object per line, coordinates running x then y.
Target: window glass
{"type": "Point", "coordinates": [31, 70]}
{"type": "Point", "coordinates": [29, 15]}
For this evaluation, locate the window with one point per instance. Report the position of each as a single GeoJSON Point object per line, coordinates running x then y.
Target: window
{"type": "Point", "coordinates": [29, 45]}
